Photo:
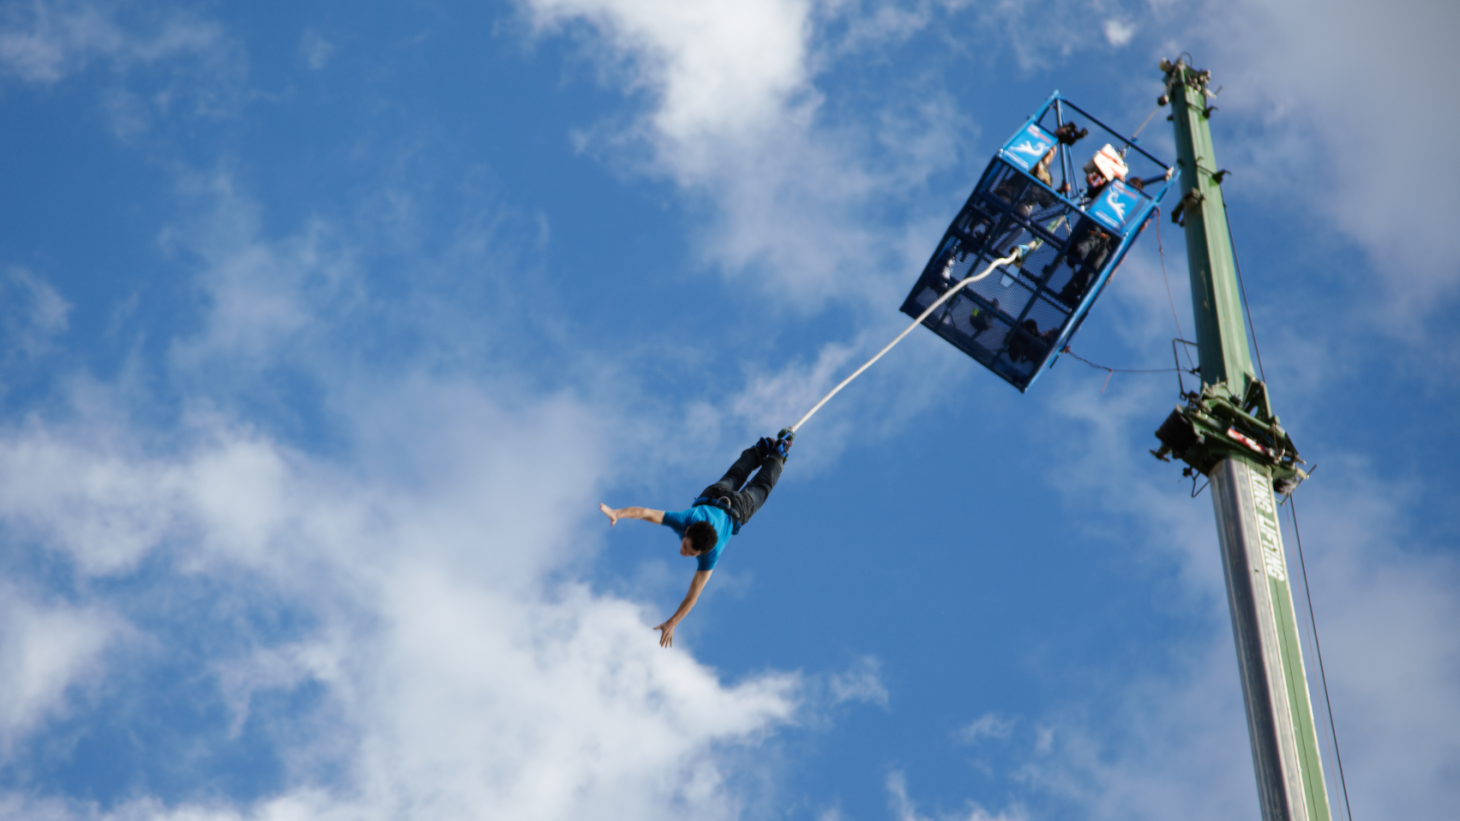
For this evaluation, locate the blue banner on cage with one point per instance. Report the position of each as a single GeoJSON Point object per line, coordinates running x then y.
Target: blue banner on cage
{"type": "Point", "coordinates": [1028, 147]}
{"type": "Point", "coordinates": [1116, 205]}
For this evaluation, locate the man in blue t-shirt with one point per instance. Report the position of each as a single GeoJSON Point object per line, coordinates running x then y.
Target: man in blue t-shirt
{"type": "Point", "coordinates": [718, 513]}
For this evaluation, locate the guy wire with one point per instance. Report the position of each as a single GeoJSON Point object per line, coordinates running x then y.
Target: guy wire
{"type": "Point", "coordinates": [1322, 676]}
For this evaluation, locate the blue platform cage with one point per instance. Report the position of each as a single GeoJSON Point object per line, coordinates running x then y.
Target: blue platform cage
{"type": "Point", "coordinates": [1080, 194]}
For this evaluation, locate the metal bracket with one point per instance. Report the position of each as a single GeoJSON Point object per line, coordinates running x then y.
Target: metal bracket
{"type": "Point", "coordinates": [1212, 427]}
{"type": "Point", "coordinates": [1193, 199]}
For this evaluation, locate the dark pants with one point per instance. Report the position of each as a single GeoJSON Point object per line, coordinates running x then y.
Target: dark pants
{"type": "Point", "coordinates": [1088, 249]}
{"type": "Point", "coordinates": [744, 502]}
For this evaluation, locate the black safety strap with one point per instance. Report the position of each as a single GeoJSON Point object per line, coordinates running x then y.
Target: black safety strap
{"type": "Point", "coordinates": [723, 503]}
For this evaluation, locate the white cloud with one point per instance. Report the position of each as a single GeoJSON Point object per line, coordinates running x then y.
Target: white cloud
{"type": "Point", "coordinates": [862, 682]}
{"type": "Point", "coordinates": [315, 50]}
{"type": "Point", "coordinates": [161, 63]}
{"type": "Point", "coordinates": [1041, 35]}
{"type": "Point", "coordinates": [47, 482]}
{"type": "Point", "coordinates": [905, 809]}
{"type": "Point", "coordinates": [870, 23]}
{"type": "Point", "coordinates": [718, 70]}
{"type": "Point", "coordinates": [779, 398]}
{"type": "Point", "coordinates": [45, 648]}
{"type": "Point", "coordinates": [1118, 32]}
{"type": "Point", "coordinates": [1174, 745]}
{"type": "Point", "coordinates": [261, 295]}
{"type": "Point", "coordinates": [988, 725]}
{"type": "Point", "coordinates": [36, 314]}
{"type": "Point", "coordinates": [44, 42]}
{"type": "Point", "coordinates": [127, 113]}
{"type": "Point", "coordinates": [734, 118]}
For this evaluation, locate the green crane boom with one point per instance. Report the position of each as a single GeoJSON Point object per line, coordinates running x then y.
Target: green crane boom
{"type": "Point", "coordinates": [1228, 432]}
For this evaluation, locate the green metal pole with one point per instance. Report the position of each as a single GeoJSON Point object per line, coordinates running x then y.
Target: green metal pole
{"type": "Point", "coordinates": [1229, 433]}
{"type": "Point", "coordinates": [1221, 331]}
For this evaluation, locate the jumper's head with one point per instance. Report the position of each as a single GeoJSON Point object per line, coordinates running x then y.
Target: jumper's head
{"type": "Point", "coordinates": [699, 538]}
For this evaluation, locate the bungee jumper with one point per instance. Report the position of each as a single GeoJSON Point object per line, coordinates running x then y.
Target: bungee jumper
{"type": "Point", "coordinates": [716, 514]}
{"type": "Point", "coordinates": [722, 508]}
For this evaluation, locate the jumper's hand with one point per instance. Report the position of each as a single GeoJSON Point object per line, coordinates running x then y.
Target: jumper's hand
{"type": "Point", "coordinates": [666, 633]}
{"type": "Point", "coordinates": [610, 513]}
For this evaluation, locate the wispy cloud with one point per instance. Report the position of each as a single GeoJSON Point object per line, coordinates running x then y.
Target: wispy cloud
{"type": "Point", "coordinates": [905, 809]}
{"type": "Point", "coordinates": [260, 296]}
{"type": "Point", "coordinates": [988, 725]}
{"type": "Point", "coordinates": [193, 66]}
{"type": "Point", "coordinates": [315, 50]}
{"type": "Point", "coordinates": [36, 315]}
{"type": "Point", "coordinates": [863, 682]}
{"type": "Point", "coordinates": [45, 42]}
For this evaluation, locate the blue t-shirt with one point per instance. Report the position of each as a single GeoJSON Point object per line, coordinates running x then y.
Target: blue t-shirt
{"type": "Point", "coordinates": [718, 519]}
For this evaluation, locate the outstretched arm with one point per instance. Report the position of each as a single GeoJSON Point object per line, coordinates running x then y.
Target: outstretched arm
{"type": "Point", "coordinates": [697, 584]}
{"type": "Point", "coordinates": [648, 515]}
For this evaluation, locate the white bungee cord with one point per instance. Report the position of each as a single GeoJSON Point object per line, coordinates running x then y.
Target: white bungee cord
{"type": "Point", "coordinates": [1019, 254]}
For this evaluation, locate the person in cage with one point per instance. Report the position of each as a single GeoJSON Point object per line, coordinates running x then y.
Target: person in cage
{"type": "Point", "coordinates": [982, 319]}
{"type": "Point", "coordinates": [1104, 168]}
{"type": "Point", "coordinates": [1069, 133]}
{"type": "Point", "coordinates": [1027, 344]}
{"type": "Point", "coordinates": [717, 514]}
{"type": "Point", "coordinates": [944, 264]}
{"type": "Point", "coordinates": [1089, 247]}
{"type": "Point", "coordinates": [974, 222]}
{"type": "Point", "coordinates": [1031, 199]}
{"type": "Point", "coordinates": [1140, 184]}
{"type": "Point", "coordinates": [1034, 197]}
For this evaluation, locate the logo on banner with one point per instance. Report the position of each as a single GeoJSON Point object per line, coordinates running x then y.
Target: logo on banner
{"type": "Point", "coordinates": [1116, 205]}
{"type": "Point", "coordinates": [1028, 147]}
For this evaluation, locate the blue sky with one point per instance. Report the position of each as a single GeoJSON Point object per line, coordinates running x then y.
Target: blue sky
{"type": "Point", "coordinates": [326, 328]}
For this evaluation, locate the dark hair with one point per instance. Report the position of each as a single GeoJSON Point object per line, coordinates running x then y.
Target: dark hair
{"type": "Point", "coordinates": [702, 537]}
